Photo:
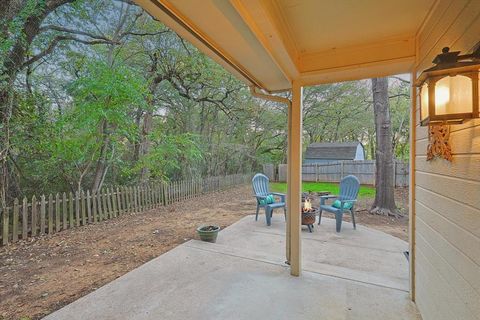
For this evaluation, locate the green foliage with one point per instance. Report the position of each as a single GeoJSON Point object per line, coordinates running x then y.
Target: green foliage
{"type": "Point", "coordinates": [168, 154]}
{"type": "Point", "coordinates": [83, 105]}
{"type": "Point", "coordinates": [103, 100]}
{"type": "Point", "coordinates": [12, 32]}
{"type": "Point", "coordinates": [343, 112]}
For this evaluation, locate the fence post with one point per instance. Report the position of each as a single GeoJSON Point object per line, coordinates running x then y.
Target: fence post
{"type": "Point", "coordinates": [70, 209]}
{"type": "Point", "coordinates": [57, 212]}
{"type": "Point", "coordinates": [114, 203]}
{"type": "Point", "coordinates": [109, 203]}
{"type": "Point", "coordinates": [50, 214]}
{"type": "Point", "coordinates": [130, 200]}
{"type": "Point", "coordinates": [43, 211]}
{"type": "Point", "coordinates": [64, 211]}
{"type": "Point", "coordinates": [89, 207]}
{"type": "Point", "coordinates": [6, 223]}
{"type": "Point", "coordinates": [134, 200]}
{"type": "Point", "coordinates": [119, 201]}
{"type": "Point", "coordinates": [15, 221]}
{"type": "Point", "coordinates": [24, 218]}
{"type": "Point", "coordinates": [34, 216]}
{"type": "Point", "coordinates": [77, 208]}
{"type": "Point", "coordinates": [394, 173]}
{"type": "Point", "coordinates": [104, 196]}
{"type": "Point", "coordinates": [124, 199]}
{"type": "Point", "coordinates": [94, 207]}
{"type": "Point", "coordinates": [166, 200]}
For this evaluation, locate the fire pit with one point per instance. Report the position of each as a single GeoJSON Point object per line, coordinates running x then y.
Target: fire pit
{"type": "Point", "coordinates": [308, 214]}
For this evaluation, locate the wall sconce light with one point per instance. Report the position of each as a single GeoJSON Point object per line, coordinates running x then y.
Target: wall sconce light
{"type": "Point", "coordinates": [449, 94]}
{"type": "Point", "coordinates": [449, 91]}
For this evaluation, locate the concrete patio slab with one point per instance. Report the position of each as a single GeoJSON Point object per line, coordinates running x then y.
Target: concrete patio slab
{"type": "Point", "coordinates": [358, 274]}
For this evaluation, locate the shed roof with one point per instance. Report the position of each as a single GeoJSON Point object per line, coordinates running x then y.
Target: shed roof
{"type": "Point", "coordinates": [332, 151]}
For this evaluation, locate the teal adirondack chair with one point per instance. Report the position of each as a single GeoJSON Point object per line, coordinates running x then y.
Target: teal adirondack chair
{"type": "Point", "coordinates": [262, 192]}
{"type": "Point", "coordinates": [349, 187]}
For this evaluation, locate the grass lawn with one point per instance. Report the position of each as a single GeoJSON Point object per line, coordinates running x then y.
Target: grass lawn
{"type": "Point", "coordinates": [365, 191]}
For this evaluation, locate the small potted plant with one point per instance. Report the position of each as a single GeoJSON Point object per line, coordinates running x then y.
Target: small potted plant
{"type": "Point", "coordinates": [208, 233]}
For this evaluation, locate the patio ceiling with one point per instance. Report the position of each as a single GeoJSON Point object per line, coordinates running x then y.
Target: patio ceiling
{"type": "Point", "coordinates": [270, 43]}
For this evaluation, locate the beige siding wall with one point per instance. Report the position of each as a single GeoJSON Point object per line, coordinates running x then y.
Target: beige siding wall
{"type": "Point", "coordinates": [447, 195]}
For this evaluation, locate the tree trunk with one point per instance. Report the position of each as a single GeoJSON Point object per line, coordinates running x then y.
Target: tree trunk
{"type": "Point", "coordinates": [384, 181]}
{"type": "Point", "coordinates": [102, 161]}
{"type": "Point", "coordinates": [144, 147]}
{"type": "Point", "coordinates": [12, 63]}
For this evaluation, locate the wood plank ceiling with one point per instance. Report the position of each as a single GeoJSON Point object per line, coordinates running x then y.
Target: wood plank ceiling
{"type": "Point", "coordinates": [270, 43]}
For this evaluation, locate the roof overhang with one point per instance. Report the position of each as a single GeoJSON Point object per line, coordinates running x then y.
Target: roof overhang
{"type": "Point", "coordinates": [270, 43]}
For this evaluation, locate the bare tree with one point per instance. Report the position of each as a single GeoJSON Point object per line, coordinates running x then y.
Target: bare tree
{"type": "Point", "coordinates": [384, 181]}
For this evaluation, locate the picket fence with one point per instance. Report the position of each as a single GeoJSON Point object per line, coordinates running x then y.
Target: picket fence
{"type": "Point", "coordinates": [54, 213]}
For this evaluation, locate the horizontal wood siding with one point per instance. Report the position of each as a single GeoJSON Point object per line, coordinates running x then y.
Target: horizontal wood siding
{"type": "Point", "coordinates": [447, 195]}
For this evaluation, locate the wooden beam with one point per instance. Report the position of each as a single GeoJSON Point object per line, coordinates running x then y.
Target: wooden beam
{"type": "Point", "coordinates": [357, 72]}
{"type": "Point", "coordinates": [258, 17]}
{"type": "Point", "coordinates": [166, 12]}
{"type": "Point", "coordinates": [295, 178]}
{"type": "Point", "coordinates": [388, 50]}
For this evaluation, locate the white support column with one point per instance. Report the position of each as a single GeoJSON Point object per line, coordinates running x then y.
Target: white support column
{"type": "Point", "coordinates": [294, 179]}
{"type": "Point", "coordinates": [411, 188]}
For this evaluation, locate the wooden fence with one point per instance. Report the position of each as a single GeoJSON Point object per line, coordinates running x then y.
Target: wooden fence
{"type": "Point", "coordinates": [334, 171]}
{"type": "Point", "coordinates": [53, 213]}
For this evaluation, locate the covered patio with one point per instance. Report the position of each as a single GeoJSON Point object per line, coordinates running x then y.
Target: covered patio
{"type": "Point", "coordinates": [282, 46]}
{"type": "Point", "coordinates": [357, 274]}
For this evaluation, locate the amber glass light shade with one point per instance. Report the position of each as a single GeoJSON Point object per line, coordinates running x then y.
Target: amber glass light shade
{"type": "Point", "coordinates": [449, 98]}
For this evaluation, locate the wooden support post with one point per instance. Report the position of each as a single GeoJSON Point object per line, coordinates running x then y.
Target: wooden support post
{"type": "Point", "coordinates": [411, 189]}
{"type": "Point", "coordinates": [295, 178]}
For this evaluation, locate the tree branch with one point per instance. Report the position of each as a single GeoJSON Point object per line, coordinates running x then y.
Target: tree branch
{"type": "Point", "coordinates": [77, 32]}
{"type": "Point", "coordinates": [144, 34]}
{"type": "Point", "coordinates": [55, 42]}
{"type": "Point", "coordinates": [399, 95]}
{"type": "Point", "coordinates": [400, 79]}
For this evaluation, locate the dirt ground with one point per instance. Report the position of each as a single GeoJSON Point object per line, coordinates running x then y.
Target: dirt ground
{"type": "Point", "coordinates": [41, 276]}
